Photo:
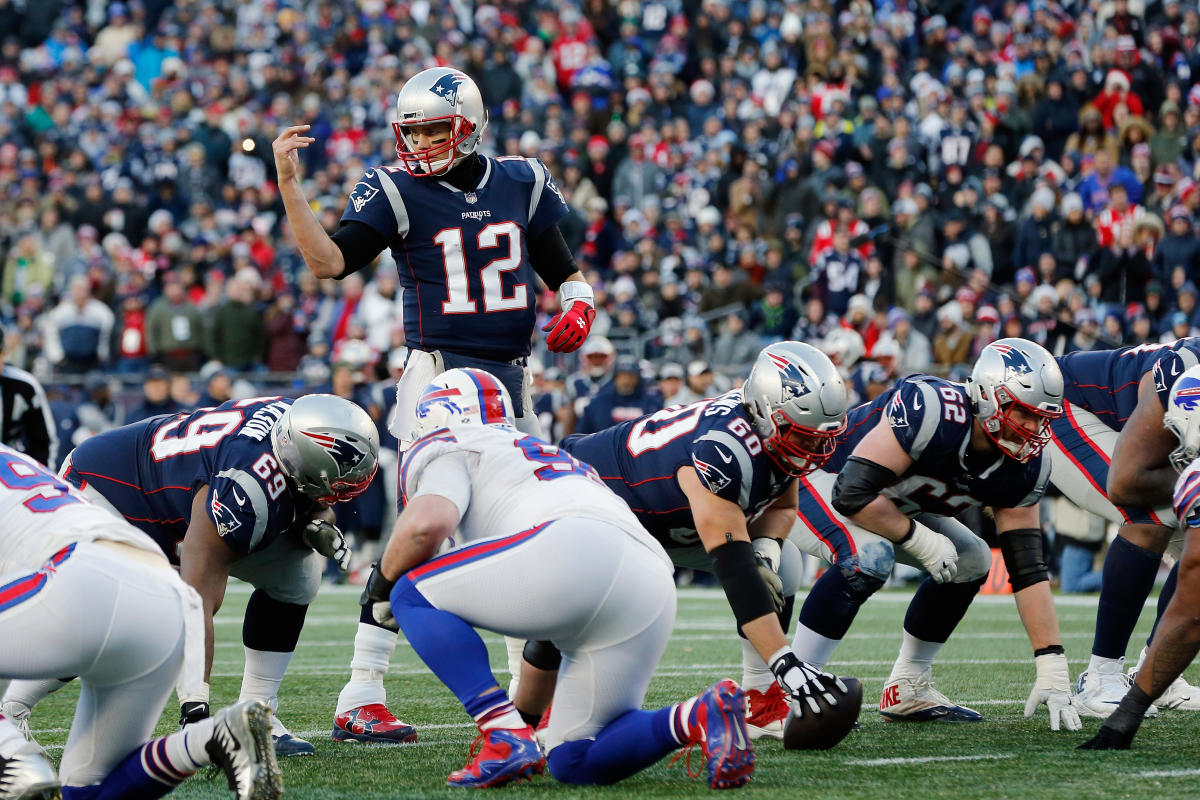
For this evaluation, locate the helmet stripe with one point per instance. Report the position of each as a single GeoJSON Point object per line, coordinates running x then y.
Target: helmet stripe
{"type": "Point", "coordinates": [491, 398]}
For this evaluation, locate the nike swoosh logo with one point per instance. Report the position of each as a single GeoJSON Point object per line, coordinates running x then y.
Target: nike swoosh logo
{"type": "Point", "coordinates": [1175, 369]}
{"type": "Point", "coordinates": [739, 741]}
{"type": "Point", "coordinates": [368, 173]}
{"type": "Point", "coordinates": [241, 501]}
{"type": "Point", "coordinates": [725, 458]}
{"type": "Point", "coordinates": [916, 404]}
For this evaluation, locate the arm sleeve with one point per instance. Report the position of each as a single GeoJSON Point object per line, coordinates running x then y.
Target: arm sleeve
{"type": "Point", "coordinates": [551, 257]}
{"type": "Point", "coordinates": [360, 245]}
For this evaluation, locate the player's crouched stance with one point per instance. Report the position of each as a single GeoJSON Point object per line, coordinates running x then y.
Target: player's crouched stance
{"type": "Point", "coordinates": [1177, 634]}
{"type": "Point", "coordinates": [567, 563]}
{"type": "Point", "coordinates": [84, 593]}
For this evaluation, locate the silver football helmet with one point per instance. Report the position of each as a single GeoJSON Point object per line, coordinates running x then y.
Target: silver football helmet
{"type": "Point", "coordinates": [1182, 418]}
{"type": "Point", "coordinates": [844, 346]}
{"type": "Point", "coordinates": [466, 395]}
{"type": "Point", "coordinates": [439, 95]}
{"type": "Point", "coordinates": [1012, 375]}
{"type": "Point", "coordinates": [327, 446]}
{"type": "Point", "coordinates": [797, 401]}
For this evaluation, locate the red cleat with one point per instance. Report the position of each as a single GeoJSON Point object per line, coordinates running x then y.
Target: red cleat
{"type": "Point", "coordinates": [766, 713]}
{"type": "Point", "coordinates": [372, 723]}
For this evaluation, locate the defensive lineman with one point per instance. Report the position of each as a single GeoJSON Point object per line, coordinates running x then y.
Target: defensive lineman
{"type": "Point", "coordinates": [547, 553]}
{"type": "Point", "coordinates": [471, 236]}
{"type": "Point", "coordinates": [909, 461]}
{"type": "Point", "coordinates": [85, 593]}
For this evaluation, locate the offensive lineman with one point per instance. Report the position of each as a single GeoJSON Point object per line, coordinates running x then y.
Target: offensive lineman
{"type": "Point", "coordinates": [242, 489]}
{"type": "Point", "coordinates": [547, 553]}
{"type": "Point", "coordinates": [84, 593]}
{"type": "Point", "coordinates": [470, 235]}
{"type": "Point", "coordinates": [909, 461]}
{"type": "Point", "coordinates": [715, 482]}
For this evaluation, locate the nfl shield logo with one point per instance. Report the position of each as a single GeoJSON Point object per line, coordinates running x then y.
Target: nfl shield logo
{"type": "Point", "coordinates": [471, 198]}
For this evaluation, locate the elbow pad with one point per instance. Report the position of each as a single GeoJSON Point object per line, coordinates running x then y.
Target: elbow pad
{"type": "Point", "coordinates": [737, 570]}
{"type": "Point", "coordinates": [1024, 557]}
{"type": "Point", "coordinates": [859, 482]}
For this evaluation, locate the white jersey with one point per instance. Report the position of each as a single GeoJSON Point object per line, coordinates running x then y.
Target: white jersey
{"type": "Point", "coordinates": [40, 514]}
{"type": "Point", "coordinates": [504, 482]}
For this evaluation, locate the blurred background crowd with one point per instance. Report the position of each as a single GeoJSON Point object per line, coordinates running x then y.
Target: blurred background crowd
{"type": "Point", "coordinates": [901, 182]}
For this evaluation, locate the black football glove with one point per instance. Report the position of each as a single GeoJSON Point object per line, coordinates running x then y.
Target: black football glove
{"type": "Point", "coordinates": [377, 595]}
{"type": "Point", "coordinates": [326, 539]}
{"type": "Point", "coordinates": [803, 683]}
{"type": "Point", "coordinates": [193, 711]}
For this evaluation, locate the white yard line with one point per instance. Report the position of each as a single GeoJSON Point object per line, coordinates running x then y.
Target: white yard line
{"type": "Point", "coordinates": [1168, 773]}
{"type": "Point", "coordinates": [886, 762]}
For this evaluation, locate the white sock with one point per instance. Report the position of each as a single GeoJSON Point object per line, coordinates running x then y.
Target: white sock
{"type": "Point", "coordinates": [264, 672]}
{"type": "Point", "coordinates": [373, 648]}
{"type": "Point", "coordinates": [681, 727]}
{"type": "Point", "coordinates": [185, 748]}
{"type": "Point", "coordinates": [501, 717]}
{"type": "Point", "coordinates": [11, 739]}
{"type": "Point", "coordinates": [812, 647]}
{"type": "Point", "coordinates": [916, 655]}
{"type": "Point", "coordinates": [1095, 662]}
{"type": "Point", "coordinates": [30, 693]}
{"type": "Point", "coordinates": [516, 654]}
{"type": "Point", "coordinates": [755, 672]}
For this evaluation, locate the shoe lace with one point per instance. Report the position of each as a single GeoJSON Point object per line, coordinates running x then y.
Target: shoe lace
{"type": "Point", "coordinates": [774, 703]}
{"type": "Point", "coordinates": [686, 755]}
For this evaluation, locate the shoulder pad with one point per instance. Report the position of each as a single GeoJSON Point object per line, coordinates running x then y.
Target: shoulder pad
{"type": "Point", "coordinates": [724, 466]}
{"type": "Point", "coordinates": [237, 505]}
{"type": "Point", "coordinates": [915, 412]}
{"type": "Point", "coordinates": [1039, 471]}
{"type": "Point", "coordinates": [421, 452]}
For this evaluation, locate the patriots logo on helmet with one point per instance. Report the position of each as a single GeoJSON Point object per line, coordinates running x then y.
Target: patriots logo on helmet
{"type": "Point", "coordinates": [226, 521]}
{"type": "Point", "coordinates": [714, 479]}
{"type": "Point", "coordinates": [1187, 394]}
{"type": "Point", "coordinates": [791, 377]}
{"type": "Point", "coordinates": [1015, 363]}
{"type": "Point", "coordinates": [345, 453]}
{"type": "Point", "coordinates": [447, 86]}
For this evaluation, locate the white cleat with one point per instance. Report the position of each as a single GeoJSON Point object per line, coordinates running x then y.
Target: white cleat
{"type": "Point", "coordinates": [28, 776]}
{"type": "Point", "coordinates": [241, 746]}
{"type": "Point", "coordinates": [1098, 692]}
{"type": "Point", "coordinates": [19, 714]}
{"type": "Point", "coordinates": [907, 698]}
{"type": "Point", "coordinates": [1180, 695]}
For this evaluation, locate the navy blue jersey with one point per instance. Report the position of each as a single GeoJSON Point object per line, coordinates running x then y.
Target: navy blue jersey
{"type": "Point", "coordinates": [1105, 382]}
{"type": "Point", "coordinates": [149, 471]}
{"type": "Point", "coordinates": [638, 460]}
{"type": "Point", "coordinates": [463, 258]}
{"type": "Point", "coordinates": [932, 420]}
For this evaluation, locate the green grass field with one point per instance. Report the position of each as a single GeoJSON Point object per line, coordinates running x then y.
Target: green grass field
{"type": "Point", "coordinates": [987, 665]}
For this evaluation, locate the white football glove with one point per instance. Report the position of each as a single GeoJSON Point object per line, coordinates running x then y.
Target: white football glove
{"type": "Point", "coordinates": [802, 682]}
{"type": "Point", "coordinates": [767, 553]}
{"type": "Point", "coordinates": [326, 539]}
{"type": "Point", "coordinates": [1053, 687]}
{"type": "Point", "coordinates": [935, 552]}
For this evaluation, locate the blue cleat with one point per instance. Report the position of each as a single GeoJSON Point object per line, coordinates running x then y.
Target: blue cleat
{"type": "Point", "coordinates": [287, 745]}
{"type": "Point", "coordinates": [720, 730]}
{"type": "Point", "coordinates": [498, 757]}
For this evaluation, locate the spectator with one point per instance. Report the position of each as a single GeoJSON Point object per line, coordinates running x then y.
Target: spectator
{"type": "Point", "coordinates": [1179, 248]}
{"type": "Point", "coordinates": [627, 396]}
{"type": "Point", "coordinates": [670, 383]}
{"type": "Point", "coordinates": [27, 271]}
{"type": "Point", "coordinates": [699, 383]}
{"type": "Point", "coordinates": [78, 330]}
{"type": "Point", "coordinates": [237, 334]}
{"type": "Point", "coordinates": [156, 397]}
{"type": "Point", "coordinates": [218, 385]}
{"type": "Point", "coordinates": [1036, 233]}
{"type": "Point", "coordinates": [175, 328]}
{"type": "Point", "coordinates": [1123, 270]}
{"type": "Point", "coordinates": [952, 345]}
{"type": "Point", "coordinates": [735, 346]}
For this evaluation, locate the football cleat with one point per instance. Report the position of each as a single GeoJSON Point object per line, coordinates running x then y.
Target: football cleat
{"type": "Point", "coordinates": [766, 712]}
{"type": "Point", "coordinates": [1098, 692]}
{"type": "Point", "coordinates": [241, 746]}
{"type": "Point", "coordinates": [719, 727]}
{"type": "Point", "coordinates": [372, 723]}
{"type": "Point", "coordinates": [28, 776]}
{"type": "Point", "coordinates": [1180, 695]}
{"type": "Point", "coordinates": [499, 756]}
{"type": "Point", "coordinates": [287, 745]}
{"type": "Point", "coordinates": [913, 699]}
{"type": "Point", "coordinates": [18, 714]}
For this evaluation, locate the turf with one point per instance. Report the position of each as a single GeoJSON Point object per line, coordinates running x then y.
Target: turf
{"type": "Point", "coordinates": [986, 665]}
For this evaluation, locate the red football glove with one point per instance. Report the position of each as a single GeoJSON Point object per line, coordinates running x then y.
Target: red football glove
{"type": "Point", "coordinates": [568, 330]}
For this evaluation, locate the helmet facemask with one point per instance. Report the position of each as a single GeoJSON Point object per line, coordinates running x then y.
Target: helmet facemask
{"type": "Point", "coordinates": [798, 450]}
{"type": "Point", "coordinates": [1014, 439]}
{"type": "Point", "coordinates": [440, 158]}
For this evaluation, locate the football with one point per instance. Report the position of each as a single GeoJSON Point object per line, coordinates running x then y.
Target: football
{"type": "Point", "coordinates": [822, 731]}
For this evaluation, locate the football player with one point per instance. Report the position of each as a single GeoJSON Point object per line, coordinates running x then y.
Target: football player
{"type": "Point", "coordinates": [84, 593]}
{"type": "Point", "coordinates": [1177, 636]}
{"type": "Point", "coordinates": [1110, 454]}
{"type": "Point", "coordinates": [715, 482]}
{"type": "Point", "coordinates": [547, 552]}
{"type": "Point", "coordinates": [909, 461]}
{"type": "Point", "coordinates": [243, 489]}
{"type": "Point", "coordinates": [471, 236]}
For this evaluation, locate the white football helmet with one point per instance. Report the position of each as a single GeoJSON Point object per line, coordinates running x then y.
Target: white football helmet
{"type": "Point", "coordinates": [1012, 374]}
{"type": "Point", "coordinates": [844, 346]}
{"type": "Point", "coordinates": [471, 396]}
{"type": "Point", "coordinates": [327, 446]}
{"type": "Point", "coordinates": [1182, 418]}
{"type": "Point", "coordinates": [440, 94]}
{"type": "Point", "coordinates": [797, 401]}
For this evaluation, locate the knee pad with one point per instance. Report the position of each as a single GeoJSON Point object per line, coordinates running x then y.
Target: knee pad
{"type": "Point", "coordinates": [875, 561]}
{"type": "Point", "coordinates": [974, 561]}
{"type": "Point", "coordinates": [861, 585]}
{"type": "Point", "coordinates": [543, 655]}
{"type": "Point", "coordinates": [791, 567]}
